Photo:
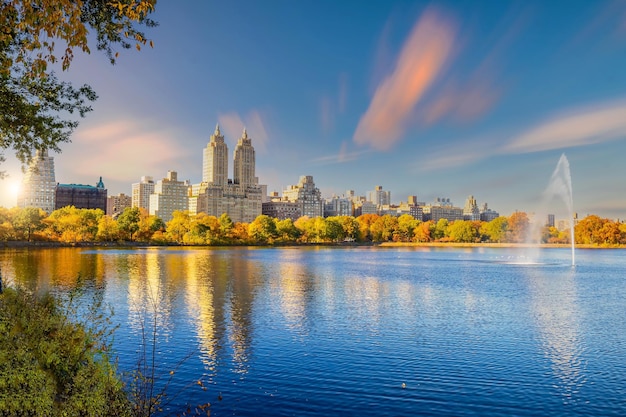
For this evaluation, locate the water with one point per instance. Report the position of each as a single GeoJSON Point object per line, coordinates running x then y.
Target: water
{"type": "Point", "coordinates": [338, 331]}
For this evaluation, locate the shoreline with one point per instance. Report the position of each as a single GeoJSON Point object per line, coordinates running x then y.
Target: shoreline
{"type": "Point", "coordinates": [41, 244]}
{"type": "Point", "coordinates": [498, 245]}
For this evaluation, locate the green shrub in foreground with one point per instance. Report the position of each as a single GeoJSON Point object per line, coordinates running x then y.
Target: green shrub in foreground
{"type": "Point", "coordinates": [51, 365]}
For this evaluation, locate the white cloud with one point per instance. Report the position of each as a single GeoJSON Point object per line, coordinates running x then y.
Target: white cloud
{"type": "Point", "coordinates": [579, 127]}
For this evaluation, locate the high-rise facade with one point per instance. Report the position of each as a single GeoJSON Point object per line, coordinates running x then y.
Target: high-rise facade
{"type": "Point", "coordinates": [215, 160]}
{"type": "Point", "coordinates": [39, 184]}
{"type": "Point", "coordinates": [169, 195]}
{"type": "Point", "coordinates": [379, 196]}
{"type": "Point", "coordinates": [244, 162]}
{"type": "Point", "coordinates": [141, 192]}
{"type": "Point", "coordinates": [471, 211]}
{"type": "Point", "coordinates": [338, 206]}
{"type": "Point", "coordinates": [241, 198]}
{"type": "Point", "coordinates": [307, 195]}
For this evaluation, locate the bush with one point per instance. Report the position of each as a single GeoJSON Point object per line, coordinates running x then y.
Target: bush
{"type": "Point", "coordinates": [54, 366]}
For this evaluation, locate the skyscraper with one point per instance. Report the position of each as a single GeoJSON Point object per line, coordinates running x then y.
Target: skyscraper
{"type": "Point", "coordinates": [215, 160]}
{"type": "Point", "coordinates": [39, 185]}
{"type": "Point", "coordinates": [244, 162]}
{"type": "Point", "coordinates": [141, 193]}
{"type": "Point", "coordinates": [307, 195]}
{"type": "Point", "coordinates": [379, 196]}
{"type": "Point", "coordinates": [169, 195]}
{"type": "Point", "coordinates": [471, 211]}
{"type": "Point", "coordinates": [240, 198]}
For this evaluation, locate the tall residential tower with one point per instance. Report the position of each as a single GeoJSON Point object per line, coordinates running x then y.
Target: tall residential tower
{"type": "Point", "coordinates": [244, 162]}
{"type": "Point", "coordinates": [215, 160]}
{"type": "Point", "coordinates": [240, 198]}
{"type": "Point", "coordinates": [39, 185]}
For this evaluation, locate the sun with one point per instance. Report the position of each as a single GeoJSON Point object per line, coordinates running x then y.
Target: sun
{"type": "Point", "coordinates": [14, 188]}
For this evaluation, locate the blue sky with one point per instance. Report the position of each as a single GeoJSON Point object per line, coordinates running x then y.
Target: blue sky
{"type": "Point", "coordinates": [434, 99]}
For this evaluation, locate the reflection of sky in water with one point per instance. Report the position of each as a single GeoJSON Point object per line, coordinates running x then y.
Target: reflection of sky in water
{"type": "Point", "coordinates": [555, 309]}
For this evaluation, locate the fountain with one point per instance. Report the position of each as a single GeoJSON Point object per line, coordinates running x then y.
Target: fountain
{"type": "Point", "coordinates": [560, 185]}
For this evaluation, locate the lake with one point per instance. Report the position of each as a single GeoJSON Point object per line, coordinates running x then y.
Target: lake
{"type": "Point", "coordinates": [361, 330]}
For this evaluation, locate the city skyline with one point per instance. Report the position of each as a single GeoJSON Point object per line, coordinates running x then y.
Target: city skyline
{"type": "Point", "coordinates": [443, 99]}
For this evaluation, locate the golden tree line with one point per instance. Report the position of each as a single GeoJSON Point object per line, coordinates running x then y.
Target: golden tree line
{"type": "Point", "coordinates": [73, 225]}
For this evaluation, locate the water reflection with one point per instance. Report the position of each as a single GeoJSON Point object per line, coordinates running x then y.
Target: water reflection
{"type": "Point", "coordinates": [295, 289]}
{"type": "Point", "coordinates": [200, 302]}
{"type": "Point", "coordinates": [244, 281]}
{"type": "Point", "coordinates": [53, 268]}
{"type": "Point", "coordinates": [220, 298]}
{"type": "Point", "coordinates": [555, 308]}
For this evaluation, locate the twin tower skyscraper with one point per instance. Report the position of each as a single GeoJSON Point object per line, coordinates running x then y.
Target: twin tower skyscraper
{"type": "Point", "coordinates": [242, 197]}
{"type": "Point", "coordinates": [215, 161]}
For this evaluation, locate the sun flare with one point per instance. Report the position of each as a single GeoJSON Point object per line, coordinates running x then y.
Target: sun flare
{"type": "Point", "coordinates": [14, 188]}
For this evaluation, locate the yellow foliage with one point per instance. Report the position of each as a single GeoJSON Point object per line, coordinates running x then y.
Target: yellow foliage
{"type": "Point", "coordinates": [39, 23]}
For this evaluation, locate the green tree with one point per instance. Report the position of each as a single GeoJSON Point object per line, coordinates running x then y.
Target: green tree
{"type": "Point", "coordinates": [406, 227]}
{"type": "Point", "coordinates": [463, 231]}
{"type": "Point", "coordinates": [69, 224]}
{"type": "Point", "coordinates": [226, 226]}
{"type": "Point", "coordinates": [439, 230]}
{"type": "Point", "coordinates": [28, 220]}
{"type": "Point", "coordinates": [306, 229]}
{"type": "Point", "coordinates": [148, 226]}
{"type": "Point", "coordinates": [350, 227]}
{"type": "Point", "coordinates": [128, 221]}
{"type": "Point", "coordinates": [286, 231]}
{"type": "Point", "coordinates": [203, 229]}
{"type": "Point", "coordinates": [496, 229]}
{"type": "Point", "coordinates": [333, 229]}
{"type": "Point", "coordinates": [262, 229]}
{"type": "Point", "coordinates": [178, 226]}
{"type": "Point", "coordinates": [108, 229]}
{"type": "Point", "coordinates": [33, 102]}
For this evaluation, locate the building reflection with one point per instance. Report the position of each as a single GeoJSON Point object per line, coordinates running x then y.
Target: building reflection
{"type": "Point", "coordinates": [205, 309]}
{"type": "Point", "coordinates": [555, 308]}
{"type": "Point", "coordinates": [149, 303]}
{"type": "Point", "coordinates": [245, 280]}
{"type": "Point", "coordinates": [220, 296]}
{"type": "Point", "coordinates": [295, 289]}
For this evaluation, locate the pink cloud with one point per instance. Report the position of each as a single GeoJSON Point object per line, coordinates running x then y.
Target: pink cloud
{"type": "Point", "coordinates": [330, 106]}
{"type": "Point", "coordinates": [463, 104]}
{"type": "Point", "coordinates": [421, 60]}
{"type": "Point", "coordinates": [326, 115]}
{"type": "Point", "coordinates": [119, 147]}
{"type": "Point", "coordinates": [343, 93]}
